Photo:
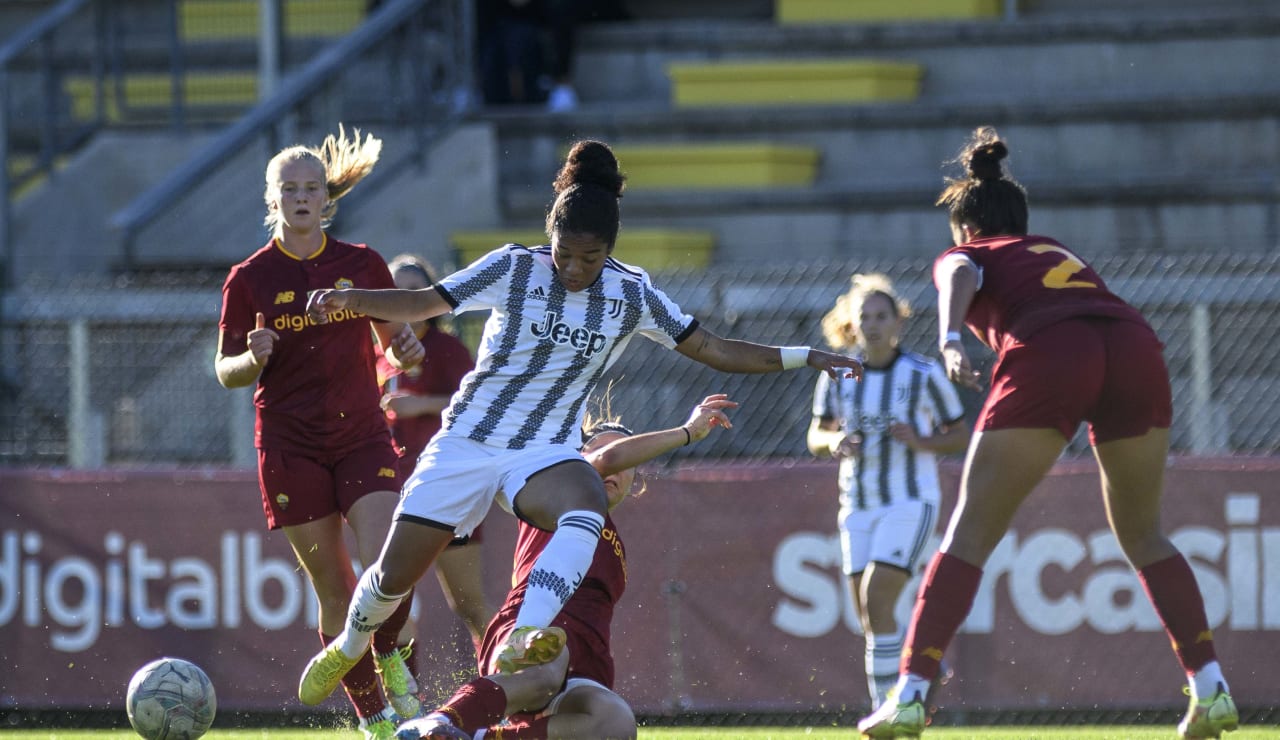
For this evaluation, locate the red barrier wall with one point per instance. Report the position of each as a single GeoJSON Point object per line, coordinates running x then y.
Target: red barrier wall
{"type": "Point", "coordinates": [735, 599]}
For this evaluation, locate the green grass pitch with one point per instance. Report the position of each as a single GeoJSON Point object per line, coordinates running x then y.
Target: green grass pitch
{"type": "Point", "coordinates": [1125, 732]}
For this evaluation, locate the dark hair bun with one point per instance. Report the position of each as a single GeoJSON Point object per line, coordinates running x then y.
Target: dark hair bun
{"type": "Point", "coordinates": [590, 163]}
{"type": "Point", "coordinates": [984, 160]}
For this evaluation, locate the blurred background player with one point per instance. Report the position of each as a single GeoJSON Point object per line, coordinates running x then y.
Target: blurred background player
{"type": "Point", "coordinates": [413, 400]}
{"type": "Point", "coordinates": [1068, 350]}
{"type": "Point", "coordinates": [572, 696]}
{"type": "Point", "coordinates": [324, 452]}
{"type": "Point", "coordinates": [885, 429]}
{"type": "Point", "coordinates": [559, 316]}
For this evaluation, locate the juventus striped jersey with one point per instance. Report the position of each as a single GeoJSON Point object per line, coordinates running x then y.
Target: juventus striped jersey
{"type": "Point", "coordinates": [913, 389]}
{"type": "Point", "coordinates": [545, 348]}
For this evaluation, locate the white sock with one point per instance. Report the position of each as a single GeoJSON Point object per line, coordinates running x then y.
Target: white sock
{"type": "Point", "coordinates": [369, 609]}
{"type": "Point", "coordinates": [883, 655]}
{"type": "Point", "coordinates": [560, 568]}
{"type": "Point", "coordinates": [1204, 682]}
{"type": "Point", "coordinates": [909, 684]}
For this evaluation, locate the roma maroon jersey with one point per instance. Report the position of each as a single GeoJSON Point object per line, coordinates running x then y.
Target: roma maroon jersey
{"type": "Point", "coordinates": [440, 374]}
{"type": "Point", "coordinates": [587, 615]}
{"type": "Point", "coordinates": [1029, 282]}
{"type": "Point", "coordinates": [318, 394]}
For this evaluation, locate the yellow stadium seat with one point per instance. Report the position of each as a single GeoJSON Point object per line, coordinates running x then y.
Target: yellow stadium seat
{"type": "Point", "coordinates": [205, 20]}
{"type": "Point", "coordinates": [807, 82]}
{"type": "Point", "coordinates": [871, 11]}
{"type": "Point", "coordinates": [717, 166]}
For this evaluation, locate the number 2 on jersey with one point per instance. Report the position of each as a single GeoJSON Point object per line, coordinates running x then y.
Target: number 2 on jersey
{"type": "Point", "coordinates": [1060, 275]}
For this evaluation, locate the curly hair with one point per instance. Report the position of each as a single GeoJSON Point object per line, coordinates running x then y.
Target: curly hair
{"type": "Point", "coordinates": [986, 197]}
{"type": "Point", "coordinates": [587, 190]}
{"type": "Point", "coordinates": [839, 325]}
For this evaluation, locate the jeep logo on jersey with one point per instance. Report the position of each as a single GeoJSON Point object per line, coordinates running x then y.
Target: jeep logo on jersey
{"type": "Point", "coordinates": [343, 283]}
{"type": "Point", "coordinates": [584, 340]}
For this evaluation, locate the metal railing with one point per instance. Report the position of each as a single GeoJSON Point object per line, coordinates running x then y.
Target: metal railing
{"type": "Point", "coordinates": [426, 108]}
{"type": "Point", "coordinates": [40, 38]}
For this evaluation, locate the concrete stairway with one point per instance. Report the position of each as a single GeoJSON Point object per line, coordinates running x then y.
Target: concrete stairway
{"type": "Point", "coordinates": [1148, 130]}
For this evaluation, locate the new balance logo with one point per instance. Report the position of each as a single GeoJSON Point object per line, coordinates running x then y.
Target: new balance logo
{"type": "Point", "coordinates": [284, 297]}
{"type": "Point", "coordinates": [386, 473]}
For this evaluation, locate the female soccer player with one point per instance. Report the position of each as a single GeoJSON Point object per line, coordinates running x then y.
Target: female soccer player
{"type": "Point", "coordinates": [1068, 350]}
{"type": "Point", "coordinates": [414, 400]}
{"type": "Point", "coordinates": [324, 452]}
{"type": "Point", "coordinates": [539, 702]}
{"type": "Point", "coordinates": [560, 316]}
{"type": "Point", "coordinates": [885, 430]}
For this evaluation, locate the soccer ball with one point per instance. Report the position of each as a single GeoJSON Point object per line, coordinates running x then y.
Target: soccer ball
{"type": "Point", "coordinates": [171, 699]}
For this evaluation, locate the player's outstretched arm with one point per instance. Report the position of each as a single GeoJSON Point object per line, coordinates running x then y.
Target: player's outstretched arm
{"type": "Point", "coordinates": [631, 451]}
{"type": "Point", "coordinates": [739, 356]}
{"type": "Point", "coordinates": [390, 304]}
{"type": "Point", "coordinates": [958, 281]}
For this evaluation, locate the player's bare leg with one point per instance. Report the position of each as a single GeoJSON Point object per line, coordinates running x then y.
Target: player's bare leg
{"type": "Point", "coordinates": [1001, 469]}
{"type": "Point", "coordinates": [409, 551]}
{"type": "Point", "coordinates": [1132, 483]}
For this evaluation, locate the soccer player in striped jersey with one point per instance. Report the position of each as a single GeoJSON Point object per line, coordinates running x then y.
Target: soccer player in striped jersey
{"type": "Point", "coordinates": [573, 695]}
{"type": "Point", "coordinates": [1068, 350]}
{"type": "Point", "coordinates": [885, 429]}
{"type": "Point", "coordinates": [324, 453]}
{"type": "Point", "coordinates": [559, 316]}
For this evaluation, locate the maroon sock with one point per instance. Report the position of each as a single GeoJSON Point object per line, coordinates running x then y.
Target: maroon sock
{"type": "Point", "coordinates": [384, 640]}
{"type": "Point", "coordinates": [946, 596]}
{"type": "Point", "coordinates": [1172, 588]}
{"type": "Point", "coordinates": [361, 685]}
{"type": "Point", "coordinates": [477, 704]}
{"type": "Point", "coordinates": [532, 730]}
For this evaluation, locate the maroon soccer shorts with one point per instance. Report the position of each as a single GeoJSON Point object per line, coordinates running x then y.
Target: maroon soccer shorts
{"type": "Point", "coordinates": [297, 489]}
{"type": "Point", "coordinates": [1108, 372]}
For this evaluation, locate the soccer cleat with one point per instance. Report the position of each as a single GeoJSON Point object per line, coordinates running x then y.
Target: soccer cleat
{"type": "Point", "coordinates": [323, 674]}
{"type": "Point", "coordinates": [1209, 717]}
{"type": "Point", "coordinates": [430, 728]}
{"type": "Point", "coordinates": [895, 718]}
{"type": "Point", "coordinates": [397, 682]}
{"type": "Point", "coordinates": [383, 729]}
{"type": "Point", "coordinates": [530, 646]}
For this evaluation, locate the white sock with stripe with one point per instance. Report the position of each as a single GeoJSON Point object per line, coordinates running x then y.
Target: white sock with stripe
{"type": "Point", "coordinates": [883, 654]}
{"type": "Point", "coordinates": [560, 568]}
{"type": "Point", "coordinates": [369, 609]}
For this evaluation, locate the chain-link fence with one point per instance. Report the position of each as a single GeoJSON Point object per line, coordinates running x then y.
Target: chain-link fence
{"type": "Point", "coordinates": [121, 372]}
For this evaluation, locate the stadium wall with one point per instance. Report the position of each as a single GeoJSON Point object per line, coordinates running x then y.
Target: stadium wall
{"type": "Point", "coordinates": [734, 600]}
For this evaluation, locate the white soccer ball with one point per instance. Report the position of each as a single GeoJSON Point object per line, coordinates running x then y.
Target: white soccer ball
{"type": "Point", "coordinates": [171, 699]}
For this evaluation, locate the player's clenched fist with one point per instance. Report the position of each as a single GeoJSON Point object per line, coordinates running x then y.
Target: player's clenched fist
{"type": "Point", "coordinates": [261, 341]}
{"type": "Point", "coordinates": [323, 303]}
{"type": "Point", "coordinates": [407, 348]}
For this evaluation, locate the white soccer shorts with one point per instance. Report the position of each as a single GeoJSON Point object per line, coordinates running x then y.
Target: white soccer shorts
{"type": "Point", "coordinates": [456, 479]}
{"type": "Point", "coordinates": [895, 535]}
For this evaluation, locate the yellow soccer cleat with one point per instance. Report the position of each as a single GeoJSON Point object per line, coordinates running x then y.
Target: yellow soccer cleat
{"type": "Point", "coordinates": [895, 719]}
{"type": "Point", "coordinates": [530, 646]}
{"type": "Point", "coordinates": [397, 682]}
{"type": "Point", "coordinates": [1209, 717]}
{"type": "Point", "coordinates": [383, 729]}
{"type": "Point", "coordinates": [323, 674]}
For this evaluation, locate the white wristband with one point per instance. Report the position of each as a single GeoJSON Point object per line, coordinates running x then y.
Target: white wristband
{"type": "Point", "coordinates": [794, 357]}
